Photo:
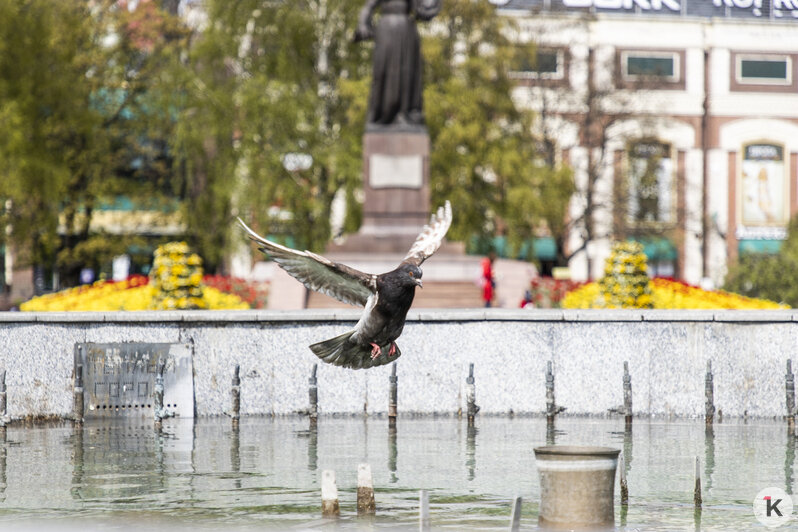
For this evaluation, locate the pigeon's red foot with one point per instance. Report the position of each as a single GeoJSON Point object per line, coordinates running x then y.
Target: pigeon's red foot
{"type": "Point", "coordinates": [392, 350]}
{"type": "Point", "coordinates": [375, 350]}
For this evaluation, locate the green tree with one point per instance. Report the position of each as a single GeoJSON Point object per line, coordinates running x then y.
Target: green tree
{"type": "Point", "coordinates": [768, 276]}
{"type": "Point", "coordinates": [485, 158]}
{"type": "Point", "coordinates": [274, 82]}
{"type": "Point", "coordinates": [83, 87]}
{"type": "Point", "coordinates": [46, 118]}
{"type": "Point", "coordinates": [128, 64]}
{"type": "Point", "coordinates": [280, 78]}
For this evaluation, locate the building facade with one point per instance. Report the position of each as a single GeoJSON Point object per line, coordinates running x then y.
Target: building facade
{"type": "Point", "coordinates": [680, 119]}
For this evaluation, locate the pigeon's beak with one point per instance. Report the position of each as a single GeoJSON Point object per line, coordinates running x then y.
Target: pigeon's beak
{"type": "Point", "coordinates": [418, 283]}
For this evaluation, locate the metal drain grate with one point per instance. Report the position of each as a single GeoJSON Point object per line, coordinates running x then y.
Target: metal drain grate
{"type": "Point", "coordinates": [119, 378]}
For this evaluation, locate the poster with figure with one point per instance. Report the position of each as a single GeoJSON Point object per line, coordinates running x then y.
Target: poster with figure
{"type": "Point", "coordinates": [650, 182]}
{"type": "Point", "coordinates": [763, 188]}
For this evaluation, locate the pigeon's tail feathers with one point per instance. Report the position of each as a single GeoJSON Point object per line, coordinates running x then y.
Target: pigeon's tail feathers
{"type": "Point", "coordinates": [342, 351]}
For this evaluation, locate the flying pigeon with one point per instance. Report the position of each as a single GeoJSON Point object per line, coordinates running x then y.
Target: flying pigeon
{"type": "Point", "coordinates": [386, 297]}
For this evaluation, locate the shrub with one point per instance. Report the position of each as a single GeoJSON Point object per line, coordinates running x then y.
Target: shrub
{"type": "Point", "coordinates": [176, 276]}
{"type": "Point", "coordinates": [625, 283]}
{"type": "Point", "coordinates": [767, 276]}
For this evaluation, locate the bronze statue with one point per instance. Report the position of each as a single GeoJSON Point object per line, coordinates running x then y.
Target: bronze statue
{"type": "Point", "coordinates": [396, 89]}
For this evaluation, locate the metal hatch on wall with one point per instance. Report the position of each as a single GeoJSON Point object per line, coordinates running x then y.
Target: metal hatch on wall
{"type": "Point", "coordinates": [119, 378]}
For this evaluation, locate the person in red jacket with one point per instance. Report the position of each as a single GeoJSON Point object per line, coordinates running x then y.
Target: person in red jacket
{"type": "Point", "coordinates": [488, 282]}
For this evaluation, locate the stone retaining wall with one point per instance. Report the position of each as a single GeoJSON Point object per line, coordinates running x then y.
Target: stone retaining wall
{"type": "Point", "coordinates": [667, 353]}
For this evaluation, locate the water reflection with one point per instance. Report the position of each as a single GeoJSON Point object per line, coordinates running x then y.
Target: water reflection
{"type": "Point", "coordinates": [263, 473]}
{"type": "Point", "coordinates": [393, 452]}
{"type": "Point", "coordinates": [3, 454]}
{"type": "Point", "coordinates": [77, 460]}
{"type": "Point", "coordinates": [628, 445]}
{"type": "Point", "coordinates": [789, 460]}
{"type": "Point", "coordinates": [235, 455]}
{"type": "Point", "coordinates": [313, 446]}
{"type": "Point", "coordinates": [471, 450]}
{"type": "Point", "coordinates": [312, 435]}
{"type": "Point", "coordinates": [709, 457]}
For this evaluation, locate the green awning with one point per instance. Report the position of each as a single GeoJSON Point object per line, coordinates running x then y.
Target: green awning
{"type": "Point", "coordinates": [759, 246]}
{"type": "Point", "coordinates": [658, 249]}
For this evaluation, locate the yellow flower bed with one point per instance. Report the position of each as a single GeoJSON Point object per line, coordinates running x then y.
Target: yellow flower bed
{"type": "Point", "coordinates": [669, 294]}
{"type": "Point", "coordinates": [133, 294]}
{"type": "Point", "coordinates": [673, 294]}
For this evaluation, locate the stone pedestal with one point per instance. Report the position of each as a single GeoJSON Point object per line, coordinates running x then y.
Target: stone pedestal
{"type": "Point", "coordinates": [396, 187]}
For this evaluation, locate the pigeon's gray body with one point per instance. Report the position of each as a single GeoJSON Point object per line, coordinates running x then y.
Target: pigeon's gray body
{"type": "Point", "coordinates": [386, 297]}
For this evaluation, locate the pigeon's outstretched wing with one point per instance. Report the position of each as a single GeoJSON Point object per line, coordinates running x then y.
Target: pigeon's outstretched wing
{"type": "Point", "coordinates": [319, 273]}
{"type": "Point", "coordinates": [430, 238]}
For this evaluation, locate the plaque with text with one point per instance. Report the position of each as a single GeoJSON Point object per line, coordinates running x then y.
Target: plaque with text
{"type": "Point", "coordinates": [119, 378]}
{"type": "Point", "coordinates": [396, 171]}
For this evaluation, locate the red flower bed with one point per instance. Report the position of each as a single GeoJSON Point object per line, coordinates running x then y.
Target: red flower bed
{"type": "Point", "coordinates": [254, 294]}
{"type": "Point", "coordinates": [548, 292]}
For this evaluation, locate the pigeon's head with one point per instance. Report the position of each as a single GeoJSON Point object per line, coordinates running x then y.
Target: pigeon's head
{"type": "Point", "coordinates": [410, 275]}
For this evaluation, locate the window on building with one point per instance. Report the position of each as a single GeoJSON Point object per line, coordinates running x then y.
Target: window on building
{"type": "Point", "coordinates": [764, 70]}
{"type": "Point", "coordinates": [651, 66]}
{"type": "Point", "coordinates": [650, 182]}
{"type": "Point", "coordinates": [542, 64]}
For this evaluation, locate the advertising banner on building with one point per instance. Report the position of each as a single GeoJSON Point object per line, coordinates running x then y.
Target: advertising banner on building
{"type": "Point", "coordinates": [764, 190]}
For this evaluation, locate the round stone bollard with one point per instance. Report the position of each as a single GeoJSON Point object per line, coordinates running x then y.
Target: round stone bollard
{"type": "Point", "coordinates": [577, 486]}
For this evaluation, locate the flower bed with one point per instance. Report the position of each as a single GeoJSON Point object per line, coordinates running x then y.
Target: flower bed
{"type": "Point", "coordinates": [673, 294]}
{"type": "Point", "coordinates": [253, 294]}
{"type": "Point", "coordinates": [547, 292]}
{"type": "Point", "coordinates": [134, 293]}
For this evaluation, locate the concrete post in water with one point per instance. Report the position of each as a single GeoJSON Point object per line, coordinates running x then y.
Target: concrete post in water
{"type": "Point", "coordinates": [313, 395]}
{"type": "Point", "coordinates": [471, 395]}
{"type": "Point", "coordinates": [392, 396]}
{"type": "Point", "coordinates": [515, 519]}
{"type": "Point", "coordinates": [157, 396]}
{"type": "Point", "coordinates": [3, 401]}
{"type": "Point", "coordinates": [423, 513]}
{"type": "Point", "coordinates": [365, 491]}
{"type": "Point", "coordinates": [697, 491]}
{"type": "Point", "coordinates": [551, 407]}
{"type": "Point", "coordinates": [627, 394]}
{"type": "Point", "coordinates": [790, 390]}
{"type": "Point", "coordinates": [710, 395]}
{"type": "Point", "coordinates": [77, 398]}
{"type": "Point", "coordinates": [235, 393]}
{"type": "Point", "coordinates": [329, 495]}
{"type": "Point", "coordinates": [623, 483]}
{"type": "Point", "coordinates": [549, 392]}
{"type": "Point", "coordinates": [577, 486]}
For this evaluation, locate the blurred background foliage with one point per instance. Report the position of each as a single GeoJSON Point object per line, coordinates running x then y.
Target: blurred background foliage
{"type": "Point", "coordinates": [769, 276]}
{"type": "Point", "coordinates": [255, 109]}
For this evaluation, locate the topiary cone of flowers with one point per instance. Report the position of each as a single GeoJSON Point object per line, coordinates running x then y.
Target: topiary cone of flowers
{"type": "Point", "coordinates": [176, 276]}
{"type": "Point", "coordinates": [625, 283]}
